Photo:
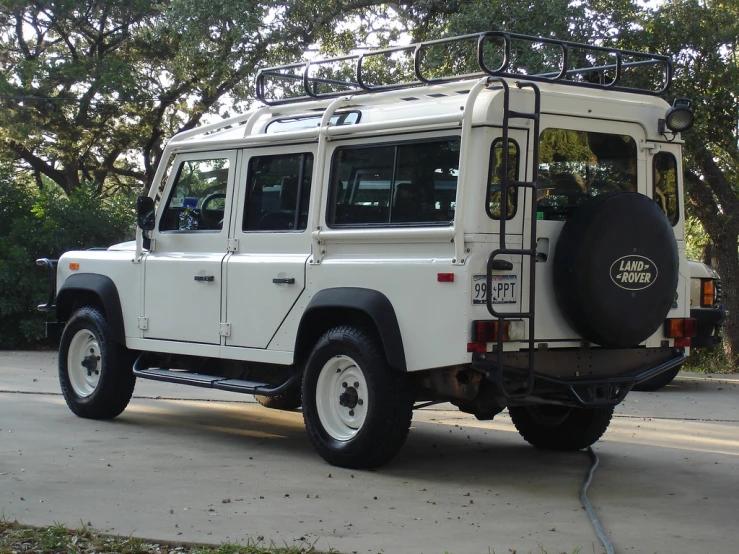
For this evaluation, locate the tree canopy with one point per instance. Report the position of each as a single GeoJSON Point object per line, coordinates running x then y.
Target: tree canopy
{"type": "Point", "coordinates": [91, 89]}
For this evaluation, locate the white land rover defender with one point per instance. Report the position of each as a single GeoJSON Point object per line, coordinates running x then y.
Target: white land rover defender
{"type": "Point", "coordinates": [505, 237]}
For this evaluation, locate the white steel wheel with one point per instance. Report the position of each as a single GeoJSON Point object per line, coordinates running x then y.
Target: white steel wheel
{"type": "Point", "coordinates": [342, 397]}
{"type": "Point", "coordinates": [95, 372]}
{"type": "Point", "coordinates": [84, 363]}
{"type": "Point", "coordinates": [356, 408]}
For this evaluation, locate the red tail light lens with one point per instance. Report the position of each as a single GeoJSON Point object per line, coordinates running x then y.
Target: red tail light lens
{"type": "Point", "coordinates": [487, 331]}
{"type": "Point", "coordinates": [690, 328]}
{"type": "Point", "coordinates": [681, 328]}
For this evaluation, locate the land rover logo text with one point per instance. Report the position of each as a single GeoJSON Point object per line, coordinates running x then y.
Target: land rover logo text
{"type": "Point", "coordinates": [634, 272]}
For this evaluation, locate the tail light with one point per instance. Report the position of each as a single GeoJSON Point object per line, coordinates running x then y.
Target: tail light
{"type": "Point", "coordinates": [681, 328]}
{"type": "Point", "coordinates": [486, 331]}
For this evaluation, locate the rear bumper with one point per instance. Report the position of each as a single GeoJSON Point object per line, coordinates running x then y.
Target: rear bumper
{"type": "Point", "coordinates": [576, 377]}
{"type": "Point", "coordinates": [710, 321]}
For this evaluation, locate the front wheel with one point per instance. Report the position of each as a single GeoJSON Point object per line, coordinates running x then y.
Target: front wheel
{"type": "Point", "coordinates": [562, 428]}
{"type": "Point", "coordinates": [357, 409]}
{"type": "Point", "coordinates": [95, 372]}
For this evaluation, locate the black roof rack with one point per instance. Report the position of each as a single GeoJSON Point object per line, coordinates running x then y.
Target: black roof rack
{"type": "Point", "coordinates": [492, 53]}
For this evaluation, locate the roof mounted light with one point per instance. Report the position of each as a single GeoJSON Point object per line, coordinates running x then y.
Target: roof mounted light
{"type": "Point", "coordinates": [678, 118]}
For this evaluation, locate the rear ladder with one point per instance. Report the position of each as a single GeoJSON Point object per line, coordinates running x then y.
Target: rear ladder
{"type": "Point", "coordinates": [501, 374]}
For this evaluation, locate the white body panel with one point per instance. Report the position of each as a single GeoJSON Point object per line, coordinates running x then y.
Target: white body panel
{"type": "Point", "coordinates": [435, 317]}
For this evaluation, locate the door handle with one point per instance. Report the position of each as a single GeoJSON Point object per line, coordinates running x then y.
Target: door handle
{"type": "Point", "coordinates": [284, 280]}
{"type": "Point", "coordinates": [205, 278]}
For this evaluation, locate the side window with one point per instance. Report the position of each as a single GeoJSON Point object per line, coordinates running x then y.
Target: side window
{"type": "Point", "coordinates": [577, 165]}
{"type": "Point", "coordinates": [198, 198]}
{"type": "Point", "coordinates": [665, 185]}
{"type": "Point", "coordinates": [408, 183]}
{"type": "Point", "coordinates": [495, 174]}
{"type": "Point", "coordinates": [278, 193]}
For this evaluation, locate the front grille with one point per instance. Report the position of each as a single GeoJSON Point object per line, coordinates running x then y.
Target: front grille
{"type": "Point", "coordinates": [717, 285]}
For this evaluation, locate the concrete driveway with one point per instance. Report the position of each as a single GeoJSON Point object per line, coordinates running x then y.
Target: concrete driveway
{"type": "Point", "coordinates": [185, 464]}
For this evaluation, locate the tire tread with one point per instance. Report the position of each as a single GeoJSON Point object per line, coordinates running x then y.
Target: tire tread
{"type": "Point", "coordinates": [117, 381]}
{"type": "Point", "coordinates": [582, 428]}
{"type": "Point", "coordinates": [393, 397]}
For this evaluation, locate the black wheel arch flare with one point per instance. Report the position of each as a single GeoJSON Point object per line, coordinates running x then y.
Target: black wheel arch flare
{"type": "Point", "coordinates": [373, 304]}
{"type": "Point", "coordinates": [101, 286]}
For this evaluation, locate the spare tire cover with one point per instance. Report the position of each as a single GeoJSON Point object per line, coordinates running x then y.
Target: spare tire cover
{"type": "Point", "coordinates": [616, 269]}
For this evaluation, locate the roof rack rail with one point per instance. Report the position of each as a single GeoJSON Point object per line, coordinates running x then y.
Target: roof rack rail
{"type": "Point", "coordinates": [516, 56]}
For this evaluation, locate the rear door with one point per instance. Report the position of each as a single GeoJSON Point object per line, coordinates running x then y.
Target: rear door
{"type": "Point", "coordinates": [578, 159]}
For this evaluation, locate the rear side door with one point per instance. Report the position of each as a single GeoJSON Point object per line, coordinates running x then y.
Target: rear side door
{"type": "Point", "coordinates": [266, 275]}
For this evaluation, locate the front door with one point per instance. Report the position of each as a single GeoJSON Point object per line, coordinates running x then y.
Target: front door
{"type": "Point", "coordinates": [183, 273]}
{"type": "Point", "coordinates": [266, 276]}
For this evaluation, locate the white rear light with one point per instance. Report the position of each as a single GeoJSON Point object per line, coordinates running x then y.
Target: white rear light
{"type": "Point", "coordinates": [517, 330]}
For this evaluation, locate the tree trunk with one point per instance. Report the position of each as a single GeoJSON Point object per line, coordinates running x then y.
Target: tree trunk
{"type": "Point", "coordinates": [726, 257]}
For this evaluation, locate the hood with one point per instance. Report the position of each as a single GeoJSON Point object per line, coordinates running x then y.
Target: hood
{"type": "Point", "coordinates": [699, 270]}
{"type": "Point", "coordinates": [128, 245]}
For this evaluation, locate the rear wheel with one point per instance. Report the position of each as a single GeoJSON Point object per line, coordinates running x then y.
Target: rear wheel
{"type": "Point", "coordinates": [356, 408]}
{"type": "Point", "coordinates": [657, 382]}
{"type": "Point", "coordinates": [561, 428]}
{"type": "Point", "coordinates": [95, 373]}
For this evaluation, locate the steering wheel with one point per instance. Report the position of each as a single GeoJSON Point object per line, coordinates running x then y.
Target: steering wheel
{"type": "Point", "coordinates": [211, 218]}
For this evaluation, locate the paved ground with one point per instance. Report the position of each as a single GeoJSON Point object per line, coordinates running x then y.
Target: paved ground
{"type": "Point", "coordinates": [188, 464]}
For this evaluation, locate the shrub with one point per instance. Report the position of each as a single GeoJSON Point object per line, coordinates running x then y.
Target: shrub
{"type": "Point", "coordinates": [44, 224]}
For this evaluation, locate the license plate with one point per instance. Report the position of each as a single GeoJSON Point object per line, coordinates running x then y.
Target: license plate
{"type": "Point", "coordinates": [502, 291]}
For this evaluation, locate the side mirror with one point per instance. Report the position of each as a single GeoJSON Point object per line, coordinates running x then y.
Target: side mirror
{"type": "Point", "coordinates": [145, 213]}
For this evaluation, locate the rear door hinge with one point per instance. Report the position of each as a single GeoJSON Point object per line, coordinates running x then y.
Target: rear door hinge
{"type": "Point", "coordinates": [651, 146]}
{"type": "Point", "coordinates": [233, 245]}
{"type": "Point", "coordinates": [225, 330]}
{"type": "Point", "coordinates": [143, 323]}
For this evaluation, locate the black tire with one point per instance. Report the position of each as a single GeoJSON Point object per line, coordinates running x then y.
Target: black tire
{"type": "Point", "coordinates": [370, 419]}
{"type": "Point", "coordinates": [288, 401]}
{"type": "Point", "coordinates": [100, 385]}
{"type": "Point", "coordinates": [658, 381]}
{"type": "Point", "coordinates": [561, 428]}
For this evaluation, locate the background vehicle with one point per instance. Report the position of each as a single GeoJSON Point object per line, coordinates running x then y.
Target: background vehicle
{"type": "Point", "coordinates": [707, 309]}
{"type": "Point", "coordinates": [481, 239]}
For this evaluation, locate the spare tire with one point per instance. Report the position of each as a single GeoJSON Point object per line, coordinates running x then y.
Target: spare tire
{"type": "Point", "coordinates": [616, 269]}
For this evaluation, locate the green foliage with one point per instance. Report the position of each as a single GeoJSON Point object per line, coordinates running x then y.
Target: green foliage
{"type": "Point", "coordinates": [709, 361]}
{"type": "Point", "coordinates": [40, 224]}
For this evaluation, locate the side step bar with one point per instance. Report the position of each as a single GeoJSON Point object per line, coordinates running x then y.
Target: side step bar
{"type": "Point", "coordinates": [182, 377]}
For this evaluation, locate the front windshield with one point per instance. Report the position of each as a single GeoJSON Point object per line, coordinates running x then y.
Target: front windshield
{"type": "Point", "coordinates": [577, 165]}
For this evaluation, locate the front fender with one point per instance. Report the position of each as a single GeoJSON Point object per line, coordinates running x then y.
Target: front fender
{"type": "Point", "coordinates": [85, 287]}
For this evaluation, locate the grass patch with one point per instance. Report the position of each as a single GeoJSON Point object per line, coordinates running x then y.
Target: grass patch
{"type": "Point", "coordinates": [705, 360]}
{"type": "Point", "coordinates": [58, 539]}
